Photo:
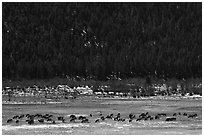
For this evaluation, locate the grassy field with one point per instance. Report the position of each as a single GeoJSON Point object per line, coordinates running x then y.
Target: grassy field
{"type": "Point", "coordinates": [91, 105]}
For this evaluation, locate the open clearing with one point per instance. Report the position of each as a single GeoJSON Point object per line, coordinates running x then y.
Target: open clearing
{"type": "Point", "coordinates": [90, 105]}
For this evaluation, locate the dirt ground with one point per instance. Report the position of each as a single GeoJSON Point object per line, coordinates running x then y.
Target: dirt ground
{"type": "Point", "coordinates": [90, 105]}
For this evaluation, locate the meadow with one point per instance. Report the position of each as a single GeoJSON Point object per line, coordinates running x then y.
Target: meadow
{"type": "Point", "coordinates": [104, 106]}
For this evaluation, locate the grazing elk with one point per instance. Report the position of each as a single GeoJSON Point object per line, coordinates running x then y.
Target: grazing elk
{"type": "Point", "coordinates": [73, 117]}
{"type": "Point", "coordinates": [192, 116]}
{"type": "Point", "coordinates": [131, 116]}
{"type": "Point", "coordinates": [9, 120]}
{"type": "Point", "coordinates": [49, 119]}
{"type": "Point", "coordinates": [31, 121]}
{"type": "Point", "coordinates": [27, 115]}
{"type": "Point", "coordinates": [17, 121]}
{"type": "Point", "coordinates": [109, 117]}
{"type": "Point", "coordinates": [85, 120]}
{"type": "Point", "coordinates": [21, 116]}
{"type": "Point", "coordinates": [171, 119]}
{"type": "Point", "coordinates": [156, 117]}
{"type": "Point", "coordinates": [81, 117]}
{"type": "Point", "coordinates": [143, 114]}
{"type": "Point", "coordinates": [97, 120]}
{"type": "Point", "coordinates": [185, 114]}
{"type": "Point", "coordinates": [60, 118]}
{"type": "Point", "coordinates": [38, 115]}
{"type": "Point", "coordinates": [118, 115]}
{"type": "Point", "coordinates": [139, 119]}
{"type": "Point", "coordinates": [31, 116]}
{"type": "Point", "coordinates": [102, 118]}
{"type": "Point", "coordinates": [115, 119]}
{"type": "Point", "coordinates": [72, 120]}
{"type": "Point", "coordinates": [41, 120]}
{"type": "Point", "coordinates": [15, 117]}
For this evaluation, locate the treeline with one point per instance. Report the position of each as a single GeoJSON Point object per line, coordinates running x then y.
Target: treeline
{"type": "Point", "coordinates": [101, 40]}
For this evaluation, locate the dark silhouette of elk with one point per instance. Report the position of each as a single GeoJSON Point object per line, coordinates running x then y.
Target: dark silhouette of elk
{"type": "Point", "coordinates": [85, 120]}
{"type": "Point", "coordinates": [9, 121]}
{"type": "Point", "coordinates": [73, 117]}
{"type": "Point", "coordinates": [109, 117]}
{"type": "Point", "coordinates": [139, 119]}
{"type": "Point", "coordinates": [156, 117]}
{"type": "Point", "coordinates": [102, 118]}
{"type": "Point", "coordinates": [59, 118]}
{"type": "Point", "coordinates": [185, 114]}
{"type": "Point", "coordinates": [81, 117]}
{"type": "Point", "coordinates": [17, 121]}
{"type": "Point", "coordinates": [174, 114]}
{"type": "Point", "coordinates": [171, 119]}
{"type": "Point", "coordinates": [31, 121]}
{"type": "Point", "coordinates": [41, 120]}
{"type": "Point", "coordinates": [131, 116]}
{"type": "Point", "coordinates": [192, 116]}
{"type": "Point", "coordinates": [97, 120]}
{"type": "Point", "coordinates": [72, 120]}
{"type": "Point", "coordinates": [15, 117]}
{"type": "Point", "coordinates": [21, 116]}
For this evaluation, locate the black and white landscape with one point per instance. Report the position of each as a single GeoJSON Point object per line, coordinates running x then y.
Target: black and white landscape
{"type": "Point", "coordinates": [101, 68]}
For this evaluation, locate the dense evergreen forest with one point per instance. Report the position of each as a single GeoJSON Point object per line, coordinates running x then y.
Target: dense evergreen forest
{"type": "Point", "coordinates": [101, 40]}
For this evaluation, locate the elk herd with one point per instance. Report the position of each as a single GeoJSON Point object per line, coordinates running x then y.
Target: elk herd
{"type": "Point", "coordinates": [96, 118]}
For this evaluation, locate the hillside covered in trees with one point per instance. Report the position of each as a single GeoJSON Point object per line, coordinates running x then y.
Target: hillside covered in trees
{"type": "Point", "coordinates": [100, 40]}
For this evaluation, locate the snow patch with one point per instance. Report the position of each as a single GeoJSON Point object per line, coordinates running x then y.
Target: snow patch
{"type": "Point", "coordinates": [71, 125]}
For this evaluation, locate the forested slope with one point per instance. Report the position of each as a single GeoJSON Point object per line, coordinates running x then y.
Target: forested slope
{"type": "Point", "coordinates": [97, 40]}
